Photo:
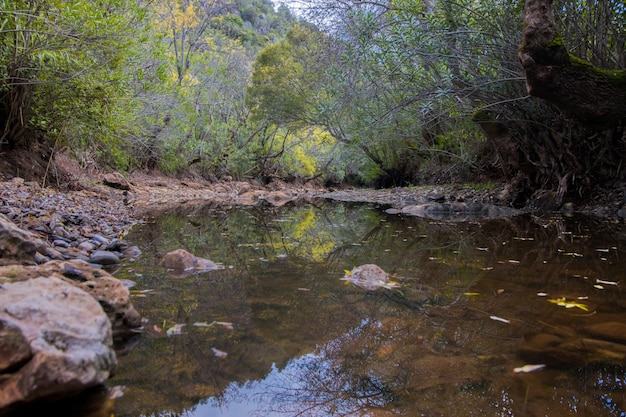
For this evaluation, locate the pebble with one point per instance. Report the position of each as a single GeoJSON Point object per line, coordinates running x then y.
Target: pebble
{"type": "Point", "coordinates": [76, 225]}
{"type": "Point", "coordinates": [102, 257]}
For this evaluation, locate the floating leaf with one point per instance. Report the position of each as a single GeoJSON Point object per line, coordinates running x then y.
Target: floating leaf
{"type": "Point", "coordinates": [175, 330]}
{"type": "Point", "coordinates": [601, 281]}
{"type": "Point", "coordinates": [528, 368]}
{"type": "Point", "coordinates": [496, 318]}
{"type": "Point", "coordinates": [471, 294]}
{"type": "Point", "coordinates": [202, 324]}
{"type": "Point", "coordinates": [225, 324]}
{"type": "Point", "coordinates": [219, 353]}
{"type": "Point", "coordinates": [568, 304]}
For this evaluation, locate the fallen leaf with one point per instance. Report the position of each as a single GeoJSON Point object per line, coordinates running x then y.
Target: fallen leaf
{"type": "Point", "coordinates": [175, 330]}
{"type": "Point", "coordinates": [496, 318]}
{"type": "Point", "coordinates": [568, 304]}
{"type": "Point", "coordinates": [225, 324]}
{"type": "Point", "coordinates": [219, 353]}
{"type": "Point", "coordinates": [528, 368]}
{"type": "Point", "coordinates": [601, 281]}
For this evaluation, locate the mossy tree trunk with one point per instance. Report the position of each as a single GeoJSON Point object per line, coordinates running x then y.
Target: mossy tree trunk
{"type": "Point", "coordinates": [593, 96]}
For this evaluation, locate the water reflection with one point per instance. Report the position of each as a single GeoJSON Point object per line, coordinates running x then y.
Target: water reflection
{"type": "Point", "coordinates": [473, 306]}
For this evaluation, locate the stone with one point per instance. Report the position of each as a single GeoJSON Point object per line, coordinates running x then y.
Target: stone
{"type": "Point", "coordinates": [182, 262]}
{"type": "Point", "coordinates": [70, 346]}
{"type": "Point", "coordinates": [102, 257]}
{"type": "Point", "coordinates": [369, 276]}
{"type": "Point", "coordinates": [116, 180]}
{"type": "Point", "coordinates": [278, 198]}
{"type": "Point", "coordinates": [17, 245]}
{"type": "Point", "coordinates": [112, 295]}
{"type": "Point", "coordinates": [613, 331]}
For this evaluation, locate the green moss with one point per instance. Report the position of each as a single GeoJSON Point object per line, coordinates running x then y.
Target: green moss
{"type": "Point", "coordinates": [616, 77]}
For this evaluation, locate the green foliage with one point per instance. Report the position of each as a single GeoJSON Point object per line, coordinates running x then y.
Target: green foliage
{"type": "Point", "coordinates": [63, 70]}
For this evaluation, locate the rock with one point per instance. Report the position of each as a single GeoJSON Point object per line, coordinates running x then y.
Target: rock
{"type": "Point", "coordinates": [63, 336]}
{"type": "Point", "coordinates": [613, 331]}
{"type": "Point", "coordinates": [14, 348]}
{"type": "Point", "coordinates": [17, 245]}
{"type": "Point", "coordinates": [182, 262]}
{"type": "Point", "coordinates": [102, 257]}
{"type": "Point", "coordinates": [86, 246]}
{"type": "Point", "coordinates": [116, 180]}
{"type": "Point", "coordinates": [369, 276]}
{"type": "Point", "coordinates": [112, 295]}
{"type": "Point", "coordinates": [596, 343]}
{"type": "Point", "coordinates": [278, 198]}
{"type": "Point", "coordinates": [131, 253]}
{"type": "Point", "coordinates": [458, 211]}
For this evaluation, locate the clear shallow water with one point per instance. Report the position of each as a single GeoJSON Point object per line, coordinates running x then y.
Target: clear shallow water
{"type": "Point", "coordinates": [303, 343]}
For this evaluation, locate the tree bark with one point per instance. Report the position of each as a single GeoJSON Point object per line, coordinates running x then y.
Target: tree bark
{"type": "Point", "coordinates": [595, 97]}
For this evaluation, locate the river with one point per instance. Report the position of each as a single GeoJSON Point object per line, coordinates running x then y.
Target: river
{"type": "Point", "coordinates": [494, 317]}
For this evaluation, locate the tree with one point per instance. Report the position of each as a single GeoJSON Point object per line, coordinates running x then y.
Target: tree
{"type": "Point", "coordinates": [62, 69]}
{"type": "Point", "coordinates": [594, 96]}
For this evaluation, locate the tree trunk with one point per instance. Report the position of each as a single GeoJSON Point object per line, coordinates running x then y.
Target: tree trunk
{"type": "Point", "coordinates": [595, 97]}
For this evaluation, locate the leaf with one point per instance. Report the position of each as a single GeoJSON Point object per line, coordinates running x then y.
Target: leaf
{"type": "Point", "coordinates": [175, 330]}
{"type": "Point", "coordinates": [496, 318]}
{"type": "Point", "coordinates": [601, 281]}
{"type": "Point", "coordinates": [562, 302]}
{"type": "Point", "coordinates": [225, 324]}
{"type": "Point", "coordinates": [219, 353]}
{"type": "Point", "coordinates": [529, 368]}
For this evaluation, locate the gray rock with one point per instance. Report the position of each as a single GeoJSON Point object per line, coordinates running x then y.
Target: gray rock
{"type": "Point", "coordinates": [86, 246]}
{"type": "Point", "coordinates": [102, 257]}
{"type": "Point", "coordinates": [17, 245]}
{"type": "Point", "coordinates": [112, 295]}
{"type": "Point", "coordinates": [63, 337]}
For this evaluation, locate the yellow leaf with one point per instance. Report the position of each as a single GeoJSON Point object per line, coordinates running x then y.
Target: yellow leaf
{"type": "Point", "coordinates": [562, 302]}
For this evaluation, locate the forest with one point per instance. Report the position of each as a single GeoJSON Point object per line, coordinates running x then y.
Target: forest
{"type": "Point", "coordinates": [373, 93]}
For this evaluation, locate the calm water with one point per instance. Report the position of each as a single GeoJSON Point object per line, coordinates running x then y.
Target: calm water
{"type": "Point", "coordinates": [277, 333]}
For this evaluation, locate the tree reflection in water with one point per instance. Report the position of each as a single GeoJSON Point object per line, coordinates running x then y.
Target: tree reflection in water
{"type": "Point", "coordinates": [305, 344]}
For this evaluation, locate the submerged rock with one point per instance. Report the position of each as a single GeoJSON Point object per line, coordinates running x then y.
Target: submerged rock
{"type": "Point", "coordinates": [597, 343]}
{"type": "Point", "coordinates": [181, 262]}
{"type": "Point", "coordinates": [55, 340]}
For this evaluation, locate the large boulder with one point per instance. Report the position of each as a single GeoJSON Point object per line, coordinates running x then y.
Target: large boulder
{"type": "Point", "coordinates": [17, 245]}
{"type": "Point", "coordinates": [112, 295]}
{"type": "Point", "coordinates": [180, 262]}
{"type": "Point", "coordinates": [55, 340]}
